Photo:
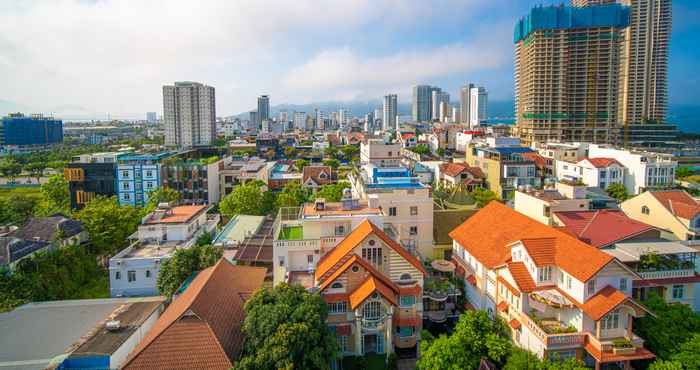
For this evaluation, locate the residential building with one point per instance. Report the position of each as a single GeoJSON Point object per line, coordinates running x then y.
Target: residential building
{"type": "Point", "coordinates": [673, 211]}
{"type": "Point", "coordinates": [505, 167]}
{"type": "Point", "coordinates": [478, 110]}
{"type": "Point", "coordinates": [39, 234]}
{"type": "Point", "coordinates": [303, 235]}
{"type": "Point", "coordinates": [191, 333]}
{"type": "Point", "coordinates": [374, 290]}
{"type": "Point", "coordinates": [344, 116]}
{"type": "Point", "coordinates": [300, 121]}
{"type": "Point", "coordinates": [407, 139]}
{"type": "Point", "coordinates": [189, 114]}
{"type": "Point", "coordinates": [438, 97]}
{"type": "Point", "coordinates": [567, 152]}
{"type": "Point", "coordinates": [314, 176]}
{"type": "Point", "coordinates": [407, 202]}
{"type": "Point", "coordinates": [151, 117]}
{"type": "Point", "coordinates": [421, 104]}
{"type": "Point", "coordinates": [465, 103]}
{"type": "Point", "coordinates": [20, 132]}
{"type": "Point", "coordinates": [567, 73]}
{"type": "Point", "coordinates": [600, 172]}
{"type": "Point", "coordinates": [460, 174]}
{"type": "Point", "coordinates": [561, 297]}
{"type": "Point", "coordinates": [134, 270]}
{"type": "Point", "coordinates": [278, 174]}
{"type": "Point", "coordinates": [380, 153]}
{"type": "Point", "coordinates": [263, 109]}
{"type": "Point", "coordinates": [390, 113]}
{"type": "Point", "coordinates": [604, 228]}
{"type": "Point", "coordinates": [321, 118]}
{"type": "Point", "coordinates": [239, 171]}
{"type": "Point", "coordinates": [76, 326]}
{"type": "Point", "coordinates": [645, 170]}
{"type": "Point", "coordinates": [91, 175]}
{"type": "Point", "coordinates": [195, 175]}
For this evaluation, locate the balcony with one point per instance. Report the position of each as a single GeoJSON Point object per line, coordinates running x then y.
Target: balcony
{"type": "Point", "coordinates": [405, 342]}
{"type": "Point", "coordinates": [553, 333]}
{"type": "Point", "coordinates": [651, 275]}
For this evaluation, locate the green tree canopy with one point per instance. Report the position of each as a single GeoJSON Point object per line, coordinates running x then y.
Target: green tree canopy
{"type": "Point", "coordinates": [683, 172]}
{"type": "Point", "coordinates": [332, 163]}
{"type": "Point", "coordinates": [476, 336]}
{"type": "Point", "coordinates": [182, 264]}
{"type": "Point", "coordinates": [332, 192]}
{"type": "Point", "coordinates": [673, 324]}
{"type": "Point", "coordinates": [36, 169]}
{"type": "Point", "coordinates": [421, 149]}
{"type": "Point", "coordinates": [617, 191]}
{"type": "Point", "coordinates": [331, 152]}
{"type": "Point", "coordinates": [10, 168]}
{"type": "Point", "coordinates": [349, 151]}
{"type": "Point", "coordinates": [161, 195]}
{"type": "Point", "coordinates": [290, 152]}
{"type": "Point", "coordinates": [521, 359]}
{"type": "Point", "coordinates": [300, 164]}
{"type": "Point", "coordinates": [286, 328]}
{"type": "Point", "coordinates": [483, 196]}
{"type": "Point", "coordinates": [108, 223]}
{"type": "Point", "coordinates": [55, 196]}
{"type": "Point", "coordinates": [292, 195]}
{"type": "Point", "coordinates": [247, 199]}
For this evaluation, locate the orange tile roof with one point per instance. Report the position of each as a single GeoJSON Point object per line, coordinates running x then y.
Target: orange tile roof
{"type": "Point", "coordinates": [369, 286]}
{"type": "Point", "coordinates": [506, 284]}
{"type": "Point", "coordinates": [488, 234]}
{"type": "Point", "coordinates": [604, 357]}
{"type": "Point", "coordinates": [602, 162]}
{"type": "Point", "coordinates": [178, 214]}
{"type": "Point", "coordinates": [202, 327]}
{"type": "Point", "coordinates": [522, 277]}
{"type": "Point", "coordinates": [351, 261]}
{"type": "Point", "coordinates": [452, 169]}
{"type": "Point", "coordinates": [414, 291]}
{"type": "Point", "coordinates": [515, 324]}
{"type": "Point", "coordinates": [359, 234]}
{"type": "Point", "coordinates": [336, 297]}
{"type": "Point", "coordinates": [539, 160]}
{"type": "Point", "coordinates": [541, 250]}
{"type": "Point", "coordinates": [606, 300]}
{"type": "Point", "coordinates": [502, 306]}
{"type": "Point", "coordinates": [678, 202]}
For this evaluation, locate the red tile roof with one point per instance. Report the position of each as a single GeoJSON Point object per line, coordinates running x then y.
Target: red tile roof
{"type": "Point", "coordinates": [678, 202]}
{"type": "Point", "coordinates": [601, 228]}
{"type": "Point", "coordinates": [539, 160]}
{"type": "Point", "coordinates": [522, 278]}
{"type": "Point", "coordinates": [502, 306]}
{"type": "Point", "coordinates": [314, 173]}
{"type": "Point", "coordinates": [359, 234]}
{"type": "Point", "coordinates": [347, 264]}
{"type": "Point", "coordinates": [488, 234]}
{"type": "Point", "coordinates": [452, 169]}
{"type": "Point", "coordinates": [601, 162]}
{"type": "Point", "coordinates": [201, 328]}
{"type": "Point", "coordinates": [604, 301]}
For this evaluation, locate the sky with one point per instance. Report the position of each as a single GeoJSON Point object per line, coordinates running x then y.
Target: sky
{"type": "Point", "coordinates": [97, 57]}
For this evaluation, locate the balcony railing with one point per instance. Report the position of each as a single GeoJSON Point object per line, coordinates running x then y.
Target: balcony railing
{"type": "Point", "coordinates": [650, 275]}
{"type": "Point", "coordinates": [405, 342]}
{"type": "Point", "coordinates": [553, 340]}
{"type": "Point", "coordinates": [304, 244]}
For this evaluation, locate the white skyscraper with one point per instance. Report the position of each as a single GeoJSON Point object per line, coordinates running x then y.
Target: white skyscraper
{"type": "Point", "coordinates": [344, 116]}
{"type": "Point", "coordinates": [300, 120]}
{"type": "Point", "coordinates": [478, 106]}
{"type": "Point", "coordinates": [464, 103]}
{"type": "Point", "coordinates": [321, 120]}
{"type": "Point", "coordinates": [437, 98]}
{"type": "Point", "coordinates": [390, 113]}
{"type": "Point", "coordinates": [189, 114]}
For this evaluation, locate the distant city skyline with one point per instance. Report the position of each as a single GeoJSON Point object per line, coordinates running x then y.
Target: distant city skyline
{"type": "Point", "coordinates": [417, 43]}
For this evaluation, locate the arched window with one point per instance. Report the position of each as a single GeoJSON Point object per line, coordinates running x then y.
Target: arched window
{"type": "Point", "coordinates": [336, 285]}
{"type": "Point", "coordinates": [645, 210]}
{"type": "Point", "coordinates": [405, 276]}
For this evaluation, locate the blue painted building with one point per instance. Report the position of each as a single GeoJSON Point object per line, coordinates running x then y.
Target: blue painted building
{"type": "Point", "coordinates": [18, 130]}
{"type": "Point", "coordinates": [137, 174]}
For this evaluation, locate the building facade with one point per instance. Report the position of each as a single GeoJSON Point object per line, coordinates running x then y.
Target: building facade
{"type": "Point", "coordinates": [465, 102]}
{"type": "Point", "coordinates": [91, 175]}
{"type": "Point", "coordinates": [189, 114]}
{"type": "Point", "coordinates": [420, 105]}
{"type": "Point", "coordinates": [263, 109]}
{"type": "Point", "coordinates": [478, 109]}
{"type": "Point", "coordinates": [645, 170]}
{"type": "Point", "coordinates": [390, 113]}
{"type": "Point", "coordinates": [18, 131]}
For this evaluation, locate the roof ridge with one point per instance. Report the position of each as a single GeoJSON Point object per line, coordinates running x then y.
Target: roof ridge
{"type": "Point", "coordinates": [590, 222]}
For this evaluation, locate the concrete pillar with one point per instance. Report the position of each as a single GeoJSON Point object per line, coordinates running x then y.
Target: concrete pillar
{"type": "Point", "coordinates": [389, 343]}
{"type": "Point", "coordinates": [358, 333]}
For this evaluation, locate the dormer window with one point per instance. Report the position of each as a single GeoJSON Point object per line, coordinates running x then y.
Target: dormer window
{"type": "Point", "coordinates": [544, 273]}
{"type": "Point", "coordinates": [645, 210]}
{"type": "Point", "coordinates": [591, 287]}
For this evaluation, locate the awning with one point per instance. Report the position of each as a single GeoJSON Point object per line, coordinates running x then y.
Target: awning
{"type": "Point", "coordinates": [502, 306]}
{"type": "Point", "coordinates": [443, 266]}
{"type": "Point", "coordinates": [552, 298]}
{"type": "Point", "coordinates": [515, 324]}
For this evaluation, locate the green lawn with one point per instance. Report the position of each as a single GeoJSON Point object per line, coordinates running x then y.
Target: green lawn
{"type": "Point", "coordinates": [292, 233]}
{"type": "Point", "coordinates": [32, 192]}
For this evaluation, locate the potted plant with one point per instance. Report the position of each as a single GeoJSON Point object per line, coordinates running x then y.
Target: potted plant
{"type": "Point", "coordinates": [623, 346]}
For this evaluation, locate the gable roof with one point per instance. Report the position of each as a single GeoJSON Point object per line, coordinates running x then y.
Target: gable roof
{"type": "Point", "coordinates": [352, 240]}
{"type": "Point", "coordinates": [678, 202]}
{"type": "Point", "coordinates": [202, 327]}
{"type": "Point", "coordinates": [46, 228]}
{"type": "Point", "coordinates": [539, 160]}
{"type": "Point", "coordinates": [314, 173]}
{"type": "Point", "coordinates": [606, 300]}
{"type": "Point", "coordinates": [452, 169]}
{"type": "Point", "coordinates": [603, 227]}
{"type": "Point", "coordinates": [368, 266]}
{"type": "Point", "coordinates": [601, 162]}
{"type": "Point", "coordinates": [369, 286]}
{"type": "Point", "coordinates": [521, 276]}
{"type": "Point", "coordinates": [541, 250]}
{"type": "Point", "coordinates": [488, 234]}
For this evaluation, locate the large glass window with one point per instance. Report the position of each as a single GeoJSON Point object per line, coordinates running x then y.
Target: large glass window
{"type": "Point", "coordinates": [611, 321]}
{"type": "Point", "coordinates": [337, 307]}
{"type": "Point", "coordinates": [372, 310]}
{"type": "Point", "coordinates": [544, 273]}
{"type": "Point", "coordinates": [373, 255]}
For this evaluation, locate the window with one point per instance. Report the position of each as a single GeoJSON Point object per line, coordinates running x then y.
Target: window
{"type": "Point", "coordinates": [407, 301]}
{"type": "Point", "coordinates": [404, 331]}
{"type": "Point", "coordinates": [623, 284]}
{"type": "Point", "coordinates": [591, 287]}
{"type": "Point", "coordinates": [340, 230]}
{"type": "Point", "coordinates": [544, 273]}
{"type": "Point", "coordinates": [414, 210]}
{"type": "Point", "coordinates": [310, 258]}
{"type": "Point", "coordinates": [322, 175]}
{"type": "Point", "coordinates": [149, 173]}
{"type": "Point", "coordinates": [281, 261]}
{"type": "Point", "coordinates": [131, 275]}
{"type": "Point", "coordinates": [148, 273]}
{"type": "Point", "coordinates": [413, 230]}
{"type": "Point", "coordinates": [611, 321]}
{"type": "Point", "coordinates": [561, 278]}
{"type": "Point", "coordinates": [645, 210]}
{"type": "Point", "coordinates": [342, 343]}
{"type": "Point", "coordinates": [125, 173]}
{"type": "Point", "coordinates": [678, 291]}
{"type": "Point", "coordinates": [371, 311]}
{"type": "Point", "coordinates": [337, 307]}
{"type": "Point", "coordinates": [373, 255]}
{"type": "Point", "coordinates": [336, 285]}
{"type": "Point", "coordinates": [405, 277]}
{"type": "Point", "coordinates": [149, 185]}
{"type": "Point", "coordinates": [355, 268]}
{"type": "Point", "coordinates": [118, 275]}
{"type": "Point", "coordinates": [392, 211]}
{"type": "Point", "coordinates": [568, 282]}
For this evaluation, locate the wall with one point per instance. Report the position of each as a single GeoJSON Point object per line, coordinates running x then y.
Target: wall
{"type": "Point", "coordinates": [658, 216]}
{"type": "Point", "coordinates": [121, 354]}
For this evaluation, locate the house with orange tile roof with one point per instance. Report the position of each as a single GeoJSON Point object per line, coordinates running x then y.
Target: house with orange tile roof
{"type": "Point", "coordinates": [201, 329]}
{"type": "Point", "coordinates": [674, 211]}
{"type": "Point", "coordinates": [560, 296]}
{"type": "Point", "coordinates": [134, 270]}
{"type": "Point", "coordinates": [374, 290]}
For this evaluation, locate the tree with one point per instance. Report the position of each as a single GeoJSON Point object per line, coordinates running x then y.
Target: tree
{"type": "Point", "coordinates": [421, 149]}
{"type": "Point", "coordinates": [292, 195]}
{"type": "Point", "coordinates": [617, 191]}
{"type": "Point", "coordinates": [204, 239]}
{"type": "Point", "coordinates": [331, 152]}
{"type": "Point", "coordinates": [476, 336]}
{"type": "Point", "coordinates": [686, 357]}
{"type": "Point", "coordinates": [332, 163]}
{"type": "Point", "coordinates": [245, 199]}
{"type": "Point", "coordinates": [285, 328]}
{"type": "Point", "coordinates": [184, 262]}
{"type": "Point", "coordinates": [161, 195]}
{"type": "Point", "coordinates": [665, 365]}
{"type": "Point", "coordinates": [55, 196]}
{"type": "Point", "coordinates": [36, 169]}
{"type": "Point", "coordinates": [290, 152]}
{"type": "Point", "coordinates": [673, 324]}
{"type": "Point", "coordinates": [21, 207]}
{"type": "Point", "coordinates": [108, 223]}
{"type": "Point", "coordinates": [683, 172]}
{"type": "Point", "coordinates": [520, 359]}
{"type": "Point", "coordinates": [300, 164]}
{"type": "Point", "coordinates": [440, 152]}
{"type": "Point", "coordinates": [332, 192]}
{"type": "Point", "coordinates": [10, 168]}
{"type": "Point", "coordinates": [349, 151]}
{"type": "Point", "coordinates": [483, 196]}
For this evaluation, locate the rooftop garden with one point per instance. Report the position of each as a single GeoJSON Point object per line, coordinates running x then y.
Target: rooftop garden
{"type": "Point", "coordinates": [660, 262]}
{"type": "Point", "coordinates": [551, 325]}
{"type": "Point", "coordinates": [291, 233]}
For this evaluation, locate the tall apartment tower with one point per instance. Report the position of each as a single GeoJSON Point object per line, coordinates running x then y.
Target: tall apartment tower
{"type": "Point", "coordinates": [644, 79]}
{"type": "Point", "coordinates": [478, 106]}
{"type": "Point", "coordinates": [464, 102]}
{"type": "Point", "coordinates": [390, 112]}
{"type": "Point", "coordinates": [438, 97]}
{"type": "Point", "coordinates": [263, 108]}
{"type": "Point", "coordinates": [189, 114]}
{"type": "Point", "coordinates": [420, 106]}
{"type": "Point", "coordinates": [567, 68]}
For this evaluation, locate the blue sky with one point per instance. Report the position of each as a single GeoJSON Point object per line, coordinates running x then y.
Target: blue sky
{"type": "Point", "coordinates": [89, 58]}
